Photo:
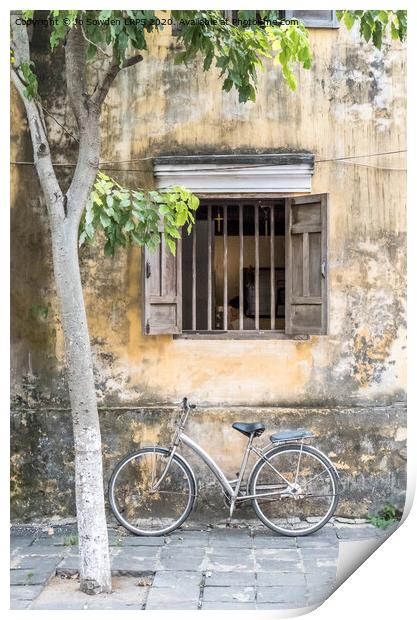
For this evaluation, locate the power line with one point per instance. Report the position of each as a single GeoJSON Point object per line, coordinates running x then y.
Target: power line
{"type": "Point", "coordinates": [103, 165]}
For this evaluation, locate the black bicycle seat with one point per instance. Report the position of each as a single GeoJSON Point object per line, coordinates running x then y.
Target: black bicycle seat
{"type": "Point", "coordinates": [249, 428]}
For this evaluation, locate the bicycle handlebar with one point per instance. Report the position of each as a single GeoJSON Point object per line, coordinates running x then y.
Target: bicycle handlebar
{"type": "Point", "coordinates": [186, 405]}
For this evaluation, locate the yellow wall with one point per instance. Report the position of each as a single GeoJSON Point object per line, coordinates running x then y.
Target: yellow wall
{"type": "Point", "coordinates": [352, 102]}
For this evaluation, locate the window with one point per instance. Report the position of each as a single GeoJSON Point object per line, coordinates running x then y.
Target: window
{"type": "Point", "coordinates": [314, 19]}
{"type": "Point", "coordinates": [249, 267]}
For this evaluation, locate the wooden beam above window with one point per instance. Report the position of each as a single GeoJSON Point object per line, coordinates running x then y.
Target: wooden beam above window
{"type": "Point", "coordinates": [233, 174]}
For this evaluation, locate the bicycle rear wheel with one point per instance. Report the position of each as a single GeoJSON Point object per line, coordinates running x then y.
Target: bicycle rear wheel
{"type": "Point", "coordinates": [298, 490]}
{"type": "Point", "coordinates": [141, 510]}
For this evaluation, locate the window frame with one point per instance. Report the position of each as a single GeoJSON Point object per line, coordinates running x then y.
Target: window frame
{"type": "Point", "coordinates": [288, 333]}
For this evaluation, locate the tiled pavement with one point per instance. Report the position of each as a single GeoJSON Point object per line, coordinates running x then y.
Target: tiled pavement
{"type": "Point", "coordinates": [220, 568]}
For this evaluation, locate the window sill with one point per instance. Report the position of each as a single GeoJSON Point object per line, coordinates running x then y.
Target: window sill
{"type": "Point", "coordinates": [240, 335]}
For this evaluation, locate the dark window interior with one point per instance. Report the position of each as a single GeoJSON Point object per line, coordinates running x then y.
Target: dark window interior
{"type": "Point", "coordinates": [227, 262]}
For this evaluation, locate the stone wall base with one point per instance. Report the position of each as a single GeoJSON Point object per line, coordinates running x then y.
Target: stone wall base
{"type": "Point", "coordinates": [366, 444]}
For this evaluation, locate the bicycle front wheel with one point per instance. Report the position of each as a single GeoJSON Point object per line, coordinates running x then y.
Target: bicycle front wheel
{"type": "Point", "coordinates": [140, 508]}
{"type": "Point", "coordinates": [296, 489]}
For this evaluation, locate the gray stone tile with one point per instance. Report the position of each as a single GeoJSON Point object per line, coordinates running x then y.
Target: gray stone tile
{"type": "Point", "coordinates": [186, 605]}
{"type": "Point", "coordinates": [296, 595]}
{"type": "Point", "coordinates": [266, 565]}
{"type": "Point", "coordinates": [26, 593]}
{"type": "Point", "coordinates": [188, 539]}
{"type": "Point", "coordinates": [239, 594]}
{"type": "Point", "coordinates": [234, 578]}
{"type": "Point", "coordinates": [61, 605]}
{"type": "Point", "coordinates": [179, 552]}
{"type": "Point", "coordinates": [45, 550]}
{"type": "Point", "coordinates": [320, 590]}
{"type": "Point", "coordinates": [134, 566]}
{"type": "Point", "coordinates": [20, 542]}
{"type": "Point", "coordinates": [184, 563]}
{"type": "Point", "coordinates": [314, 564]}
{"type": "Point", "coordinates": [280, 579]}
{"type": "Point", "coordinates": [179, 594]}
{"type": "Point", "coordinates": [131, 554]}
{"type": "Point", "coordinates": [174, 579]}
{"type": "Point", "coordinates": [276, 606]}
{"type": "Point", "coordinates": [321, 576]}
{"type": "Point", "coordinates": [48, 541]}
{"type": "Point", "coordinates": [68, 565]}
{"type": "Point", "coordinates": [329, 553]}
{"type": "Point", "coordinates": [35, 563]}
{"type": "Point", "coordinates": [231, 538]}
{"type": "Point", "coordinates": [143, 541]}
{"type": "Point", "coordinates": [235, 606]}
{"type": "Point", "coordinates": [261, 541]}
{"type": "Point", "coordinates": [361, 533]}
{"type": "Point", "coordinates": [30, 576]}
{"type": "Point", "coordinates": [230, 563]}
{"type": "Point", "coordinates": [281, 555]}
{"type": "Point", "coordinates": [19, 604]}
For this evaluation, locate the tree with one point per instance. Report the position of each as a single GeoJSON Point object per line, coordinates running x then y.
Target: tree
{"type": "Point", "coordinates": [93, 200]}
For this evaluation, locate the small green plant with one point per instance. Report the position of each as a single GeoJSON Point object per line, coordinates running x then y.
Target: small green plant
{"type": "Point", "coordinates": [71, 540]}
{"type": "Point", "coordinates": [388, 515]}
{"type": "Point", "coordinates": [30, 575]}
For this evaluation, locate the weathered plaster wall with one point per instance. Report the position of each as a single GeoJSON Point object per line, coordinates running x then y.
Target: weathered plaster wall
{"type": "Point", "coordinates": [351, 103]}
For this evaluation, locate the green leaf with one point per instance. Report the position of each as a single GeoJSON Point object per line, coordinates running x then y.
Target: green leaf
{"type": "Point", "coordinates": [105, 220]}
{"type": "Point", "coordinates": [172, 245]}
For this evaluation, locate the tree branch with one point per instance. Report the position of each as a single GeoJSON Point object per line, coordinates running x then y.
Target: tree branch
{"type": "Point", "coordinates": [36, 121]}
{"type": "Point", "coordinates": [76, 75]}
{"type": "Point", "coordinates": [109, 76]}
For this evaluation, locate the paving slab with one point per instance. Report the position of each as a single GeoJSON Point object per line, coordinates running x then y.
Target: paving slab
{"type": "Point", "coordinates": [273, 542]}
{"type": "Point", "coordinates": [280, 579]}
{"type": "Point", "coordinates": [172, 579]}
{"type": "Point", "coordinates": [229, 563]}
{"type": "Point", "coordinates": [20, 542]}
{"type": "Point", "coordinates": [263, 565]}
{"type": "Point", "coordinates": [365, 532]}
{"type": "Point", "coordinates": [296, 595]}
{"type": "Point", "coordinates": [181, 563]}
{"type": "Point", "coordinates": [31, 576]}
{"type": "Point", "coordinates": [171, 606]}
{"type": "Point", "coordinates": [166, 595]}
{"type": "Point", "coordinates": [26, 593]}
{"type": "Point", "coordinates": [45, 550]}
{"type": "Point", "coordinates": [231, 578]}
{"type": "Point", "coordinates": [239, 594]}
{"type": "Point", "coordinates": [231, 538]}
{"type": "Point", "coordinates": [188, 539]}
{"type": "Point", "coordinates": [235, 606]}
{"type": "Point", "coordinates": [143, 541]}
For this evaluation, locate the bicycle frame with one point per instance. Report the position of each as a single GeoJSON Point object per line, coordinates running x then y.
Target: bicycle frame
{"type": "Point", "coordinates": [231, 492]}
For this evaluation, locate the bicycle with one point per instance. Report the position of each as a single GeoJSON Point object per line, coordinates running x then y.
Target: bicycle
{"type": "Point", "coordinates": [293, 487]}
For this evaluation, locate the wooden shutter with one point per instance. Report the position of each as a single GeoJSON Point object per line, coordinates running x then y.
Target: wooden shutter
{"type": "Point", "coordinates": [161, 281]}
{"type": "Point", "coordinates": [306, 264]}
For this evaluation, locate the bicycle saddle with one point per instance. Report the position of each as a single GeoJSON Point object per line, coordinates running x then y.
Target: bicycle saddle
{"type": "Point", "coordinates": [249, 428]}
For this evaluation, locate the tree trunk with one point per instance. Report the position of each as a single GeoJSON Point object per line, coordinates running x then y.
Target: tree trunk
{"type": "Point", "coordinates": [92, 529]}
{"type": "Point", "coordinates": [64, 216]}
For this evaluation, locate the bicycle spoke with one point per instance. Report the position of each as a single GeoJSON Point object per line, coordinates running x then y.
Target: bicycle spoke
{"type": "Point", "coordinates": [314, 478]}
{"type": "Point", "coordinates": [138, 505]}
{"type": "Point", "coordinates": [307, 501]}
